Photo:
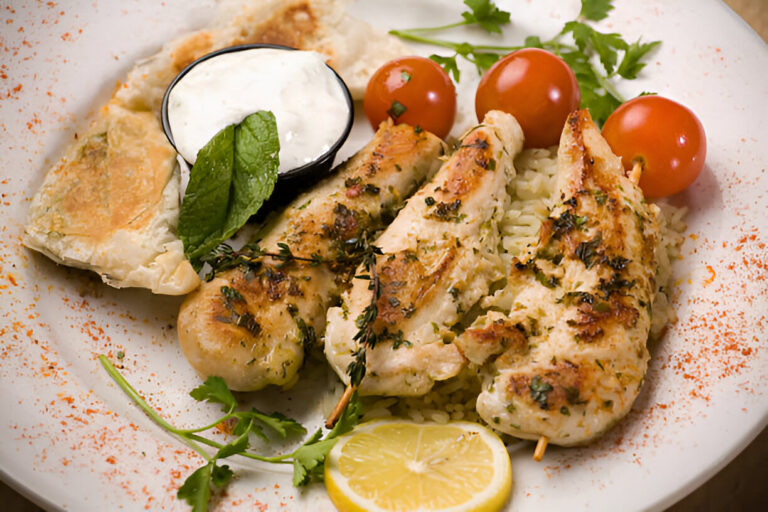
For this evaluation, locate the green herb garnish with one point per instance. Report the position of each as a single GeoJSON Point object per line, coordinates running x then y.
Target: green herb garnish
{"type": "Point", "coordinates": [233, 175]}
{"type": "Point", "coordinates": [307, 459]}
{"type": "Point", "coordinates": [396, 110]}
{"type": "Point", "coordinates": [539, 391]}
{"type": "Point", "coordinates": [366, 336]}
{"type": "Point", "coordinates": [576, 43]}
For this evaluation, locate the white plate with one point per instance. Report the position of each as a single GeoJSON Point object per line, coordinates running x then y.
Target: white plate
{"type": "Point", "coordinates": [71, 440]}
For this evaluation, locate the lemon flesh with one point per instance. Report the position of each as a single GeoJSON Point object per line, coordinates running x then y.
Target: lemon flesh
{"type": "Point", "coordinates": [402, 465]}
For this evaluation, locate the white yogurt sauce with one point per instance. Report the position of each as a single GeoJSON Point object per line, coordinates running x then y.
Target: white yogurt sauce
{"type": "Point", "coordinates": [305, 96]}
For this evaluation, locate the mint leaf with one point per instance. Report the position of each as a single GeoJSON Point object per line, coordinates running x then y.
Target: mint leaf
{"type": "Point", "coordinates": [233, 175]}
{"type": "Point", "coordinates": [206, 200]}
{"type": "Point", "coordinates": [486, 14]}
{"type": "Point", "coordinates": [256, 163]}
{"type": "Point", "coordinates": [595, 10]}
{"type": "Point", "coordinates": [214, 390]}
{"type": "Point", "coordinates": [630, 65]}
{"type": "Point", "coordinates": [196, 489]}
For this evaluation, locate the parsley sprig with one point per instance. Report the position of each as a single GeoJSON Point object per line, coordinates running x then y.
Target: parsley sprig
{"type": "Point", "coordinates": [597, 58]}
{"type": "Point", "coordinates": [307, 459]}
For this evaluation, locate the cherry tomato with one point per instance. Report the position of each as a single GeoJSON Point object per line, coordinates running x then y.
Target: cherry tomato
{"type": "Point", "coordinates": [535, 86]}
{"type": "Point", "coordinates": [412, 90]}
{"type": "Point", "coordinates": [664, 136]}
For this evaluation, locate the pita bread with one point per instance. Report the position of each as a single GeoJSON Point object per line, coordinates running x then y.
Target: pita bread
{"type": "Point", "coordinates": [111, 203]}
{"type": "Point", "coordinates": [354, 49]}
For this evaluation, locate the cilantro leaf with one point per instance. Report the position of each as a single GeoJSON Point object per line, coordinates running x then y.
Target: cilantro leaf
{"type": "Point", "coordinates": [587, 38]}
{"type": "Point", "coordinates": [196, 489]}
{"type": "Point", "coordinates": [448, 64]}
{"type": "Point", "coordinates": [600, 104]}
{"type": "Point", "coordinates": [606, 46]}
{"type": "Point", "coordinates": [484, 60]}
{"type": "Point", "coordinates": [486, 14]}
{"type": "Point", "coordinates": [533, 42]}
{"type": "Point", "coordinates": [215, 390]}
{"type": "Point", "coordinates": [630, 65]}
{"type": "Point", "coordinates": [308, 460]}
{"type": "Point", "coordinates": [221, 475]}
{"type": "Point", "coordinates": [349, 418]}
{"type": "Point", "coordinates": [595, 10]}
{"type": "Point", "coordinates": [245, 424]}
{"type": "Point", "coordinates": [279, 423]}
{"type": "Point", "coordinates": [239, 445]}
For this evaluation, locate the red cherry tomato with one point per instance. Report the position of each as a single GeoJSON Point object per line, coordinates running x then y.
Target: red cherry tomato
{"type": "Point", "coordinates": [664, 136]}
{"type": "Point", "coordinates": [535, 86]}
{"type": "Point", "coordinates": [412, 90]}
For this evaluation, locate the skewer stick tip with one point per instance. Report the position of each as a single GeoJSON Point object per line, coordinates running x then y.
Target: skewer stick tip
{"type": "Point", "coordinates": [541, 447]}
{"type": "Point", "coordinates": [634, 174]}
{"type": "Point", "coordinates": [340, 406]}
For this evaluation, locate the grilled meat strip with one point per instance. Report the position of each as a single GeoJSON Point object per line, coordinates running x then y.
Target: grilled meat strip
{"type": "Point", "coordinates": [440, 257]}
{"type": "Point", "coordinates": [564, 347]}
{"type": "Point", "coordinates": [251, 324]}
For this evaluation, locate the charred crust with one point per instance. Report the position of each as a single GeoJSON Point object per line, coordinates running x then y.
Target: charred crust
{"type": "Point", "coordinates": [558, 385]}
{"type": "Point", "coordinates": [595, 316]}
{"type": "Point", "coordinates": [289, 27]}
{"type": "Point", "coordinates": [509, 337]}
{"type": "Point", "coordinates": [404, 284]}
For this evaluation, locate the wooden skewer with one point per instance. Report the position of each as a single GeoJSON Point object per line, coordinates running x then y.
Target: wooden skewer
{"type": "Point", "coordinates": [541, 447]}
{"type": "Point", "coordinates": [634, 174]}
{"type": "Point", "coordinates": [340, 406]}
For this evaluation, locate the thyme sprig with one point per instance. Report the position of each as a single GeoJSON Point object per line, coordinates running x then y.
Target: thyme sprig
{"type": "Point", "coordinates": [250, 256]}
{"type": "Point", "coordinates": [366, 336]}
{"type": "Point", "coordinates": [307, 459]}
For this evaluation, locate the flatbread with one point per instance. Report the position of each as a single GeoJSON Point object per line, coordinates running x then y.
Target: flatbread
{"type": "Point", "coordinates": [354, 49]}
{"type": "Point", "coordinates": [111, 203]}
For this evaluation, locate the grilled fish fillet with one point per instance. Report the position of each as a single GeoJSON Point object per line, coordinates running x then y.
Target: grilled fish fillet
{"type": "Point", "coordinates": [258, 335]}
{"type": "Point", "coordinates": [111, 202]}
{"type": "Point", "coordinates": [565, 347]}
{"type": "Point", "coordinates": [440, 256]}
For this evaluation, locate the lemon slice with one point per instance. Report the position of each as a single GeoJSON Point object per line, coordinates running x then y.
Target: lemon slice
{"type": "Point", "coordinates": [402, 465]}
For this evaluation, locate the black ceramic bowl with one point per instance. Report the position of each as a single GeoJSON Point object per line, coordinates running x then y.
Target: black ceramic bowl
{"type": "Point", "coordinates": [308, 172]}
